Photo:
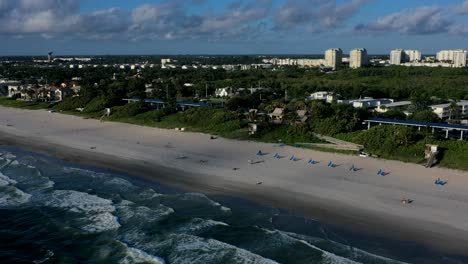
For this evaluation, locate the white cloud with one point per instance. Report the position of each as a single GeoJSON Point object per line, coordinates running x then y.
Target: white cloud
{"type": "Point", "coordinates": [423, 20]}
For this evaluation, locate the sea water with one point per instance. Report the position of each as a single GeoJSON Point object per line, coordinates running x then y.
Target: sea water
{"type": "Point", "coordinates": [52, 211]}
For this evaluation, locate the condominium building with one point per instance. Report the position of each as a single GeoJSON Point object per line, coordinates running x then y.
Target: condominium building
{"type": "Point", "coordinates": [357, 58]}
{"type": "Point", "coordinates": [412, 55]}
{"type": "Point", "coordinates": [333, 58]}
{"type": "Point", "coordinates": [396, 57]}
{"type": "Point", "coordinates": [400, 56]}
{"type": "Point", "coordinates": [444, 111]}
{"type": "Point", "coordinates": [456, 57]}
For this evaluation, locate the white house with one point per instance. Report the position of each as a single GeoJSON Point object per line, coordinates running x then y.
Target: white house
{"type": "Point", "coordinates": [443, 110]}
{"type": "Point", "coordinates": [324, 96]}
{"type": "Point", "coordinates": [224, 92]}
{"type": "Point", "coordinates": [386, 107]}
{"type": "Point", "coordinates": [367, 102]}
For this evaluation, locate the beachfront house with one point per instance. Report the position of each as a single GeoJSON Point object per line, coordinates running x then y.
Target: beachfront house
{"type": "Point", "coordinates": [62, 93]}
{"type": "Point", "coordinates": [277, 116]}
{"type": "Point", "coordinates": [301, 116]}
{"type": "Point", "coordinates": [13, 90]}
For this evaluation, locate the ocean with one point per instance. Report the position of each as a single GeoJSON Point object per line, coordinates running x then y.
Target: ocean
{"type": "Point", "coordinates": [53, 211]}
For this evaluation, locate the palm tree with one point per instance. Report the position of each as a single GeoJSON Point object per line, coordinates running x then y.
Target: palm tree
{"type": "Point", "coordinates": [453, 110]}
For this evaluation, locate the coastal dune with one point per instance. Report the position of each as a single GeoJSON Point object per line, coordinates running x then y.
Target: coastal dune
{"type": "Point", "coordinates": [360, 199]}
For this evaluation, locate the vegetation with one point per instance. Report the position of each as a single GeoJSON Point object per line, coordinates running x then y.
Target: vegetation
{"type": "Point", "coordinates": [9, 102]}
{"type": "Point", "coordinates": [288, 87]}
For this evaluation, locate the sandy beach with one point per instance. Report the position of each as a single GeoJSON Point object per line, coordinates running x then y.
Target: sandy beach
{"type": "Point", "coordinates": [361, 199]}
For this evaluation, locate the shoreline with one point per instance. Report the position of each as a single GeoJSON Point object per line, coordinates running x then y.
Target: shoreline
{"type": "Point", "coordinates": [389, 222]}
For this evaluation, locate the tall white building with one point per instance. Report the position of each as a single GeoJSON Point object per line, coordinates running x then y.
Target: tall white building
{"type": "Point", "coordinates": [333, 58]}
{"type": "Point", "coordinates": [400, 56]}
{"type": "Point", "coordinates": [397, 57]}
{"type": "Point", "coordinates": [456, 57]}
{"type": "Point", "coordinates": [357, 58]}
{"type": "Point", "coordinates": [412, 55]}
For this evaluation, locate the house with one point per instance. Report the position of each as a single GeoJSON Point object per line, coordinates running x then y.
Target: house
{"type": "Point", "coordinates": [324, 96]}
{"type": "Point", "coordinates": [13, 90]}
{"type": "Point", "coordinates": [62, 93]}
{"type": "Point", "coordinates": [224, 92]}
{"type": "Point", "coordinates": [301, 116]}
{"type": "Point", "coordinates": [367, 102]}
{"type": "Point", "coordinates": [5, 83]}
{"type": "Point", "coordinates": [392, 106]}
{"type": "Point", "coordinates": [444, 110]}
{"type": "Point", "coordinates": [277, 116]}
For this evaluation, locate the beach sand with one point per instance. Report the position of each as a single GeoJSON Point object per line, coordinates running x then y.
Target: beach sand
{"type": "Point", "coordinates": [361, 200]}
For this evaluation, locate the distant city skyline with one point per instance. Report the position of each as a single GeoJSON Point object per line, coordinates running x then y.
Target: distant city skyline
{"type": "Point", "coordinates": [81, 27]}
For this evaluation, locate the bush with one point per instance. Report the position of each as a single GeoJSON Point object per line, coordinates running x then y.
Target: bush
{"type": "Point", "coordinates": [71, 103]}
{"type": "Point", "coordinates": [385, 140]}
{"type": "Point", "coordinates": [96, 105]}
{"type": "Point", "coordinates": [129, 110]}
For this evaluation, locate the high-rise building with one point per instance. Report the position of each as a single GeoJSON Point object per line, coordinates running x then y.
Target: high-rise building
{"type": "Point", "coordinates": [333, 58]}
{"type": "Point", "coordinates": [400, 56]}
{"type": "Point", "coordinates": [357, 58]}
{"type": "Point", "coordinates": [456, 57]}
{"type": "Point", "coordinates": [397, 56]}
{"type": "Point", "coordinates": [412, 55]}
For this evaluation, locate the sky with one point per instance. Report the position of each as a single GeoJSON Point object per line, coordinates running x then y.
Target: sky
{"type": "Point", "coordinates": [107, 27]}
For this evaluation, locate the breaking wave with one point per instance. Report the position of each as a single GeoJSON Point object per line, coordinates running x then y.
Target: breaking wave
{"type": "Point", "coordinates": [104, 217]}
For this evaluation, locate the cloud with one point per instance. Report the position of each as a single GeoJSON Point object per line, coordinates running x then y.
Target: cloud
{"type": "Point", "coordinates": [315, 15]}
{"type": "Point", "coordinates": [463, 9]}
{"type": "Point", "coordinates": [51, 17]}
{"type": "Point", "coordinates": [169, 20]}
{"type": "Point", "coordinates": [418, 21]}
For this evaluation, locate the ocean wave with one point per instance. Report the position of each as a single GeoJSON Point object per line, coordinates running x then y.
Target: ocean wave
{"type": "Point", "coordinates": [197, 225]}
{"type": "Point", "coordinates": [130, 212]}
{"type": "Point", "coordinates": [10, 196]}
{"type": "Point", "coordinates": [134, 255]}
{"type": "Point", "coordinates": [4, 180]}
{"type": "Point", "coordinates": [28, 177]}
{"type": "Point", "coordinates": [185, 249]}
{"type": "Point", "coordinates": [196, 205]}
{"type": "Point", "coordinates": [344, 251]}
{"type": "Point", "coordinates": [96, 211]}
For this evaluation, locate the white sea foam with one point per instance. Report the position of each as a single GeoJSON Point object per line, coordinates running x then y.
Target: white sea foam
{"type": "Point", "coordinates": [101, 222]}
{"type": "Point", "coordinates": [4, 180]}
{"type": "Point", "coordinates": [185, 249]}
{"type": "Point", "coordinates": [199, 197]}
{"type": "Point", "coordinates": [128, 210]}
{"type": "Point", "coordinates": [355, 253]}
{"type": "Point", "coordinates": [148, 194]}
{"type": "Point", "coordinates": [8, 156]}
{"type": "Point", "coordinates": [10, 196]}
{"type": "Point", "coordinates": [122, 183]}
{"type": "Point", "coordinates": [134, 255]}
{"type": "Point", "coordinates": [97, 211]}
{"type": "Point", "coordinates": [197, 224]}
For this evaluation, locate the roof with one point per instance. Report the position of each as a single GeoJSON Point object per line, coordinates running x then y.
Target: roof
{"type": "Point", "coordinates": [278, 111]}
{"type": "Point", "coordinates": [462, 102]}
{"type": "Point", "coordinates": [417, 123]}
{"type": "Point", "coordinates": [396, 104]}
{"type": "Point", "coordinates": [180, 103]}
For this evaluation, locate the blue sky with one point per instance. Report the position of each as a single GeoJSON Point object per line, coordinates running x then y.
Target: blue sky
{"type": "Point", "coordinates": [32, 27]}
